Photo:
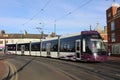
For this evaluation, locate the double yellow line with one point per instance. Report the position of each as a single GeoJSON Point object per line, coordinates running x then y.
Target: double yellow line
{"type": "Point", "coordinates": [13, 71]}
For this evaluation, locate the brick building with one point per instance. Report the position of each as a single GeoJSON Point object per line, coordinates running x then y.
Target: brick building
{"type": "Point", "coordinates": [103, 33]}
{"type": "Point", "coordinates": [113, 28]}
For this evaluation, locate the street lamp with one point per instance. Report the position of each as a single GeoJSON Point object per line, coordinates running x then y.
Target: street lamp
{"type": "Point", "coordinates": [40, 29]}
{"type": "Point", "coordinates": [5, 36]}
{"type": "Point", "coordinates": [42, 32]}
{"type": "Point", "coordinates": [55, 28]}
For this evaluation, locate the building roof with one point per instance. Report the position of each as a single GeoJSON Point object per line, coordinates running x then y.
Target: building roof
{"type": "Point", "coordinates": [30, 36]}
{"type": "Point", "coordinates": [115, 5]}
{"type": "Point", "coordinates": [19, 36]}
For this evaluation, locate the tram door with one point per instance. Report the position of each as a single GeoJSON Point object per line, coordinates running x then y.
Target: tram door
{"type": "Point", "coordinates": [48, 45]}
{"type": "Point", "coordinates": [22, 49]}
{"type": "Point", "coordinates": [78, 49]}
{"type": "Point", "coordinates": [5, 50]}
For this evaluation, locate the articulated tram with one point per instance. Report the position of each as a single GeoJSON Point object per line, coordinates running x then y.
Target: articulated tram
{"type": "Point", "coordinates": [85, 46]}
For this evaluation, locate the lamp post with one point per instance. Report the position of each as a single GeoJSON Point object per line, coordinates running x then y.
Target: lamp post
{"type": "Point", "coordinates": [5, 36]}
{"type": "Point", "coordinates": [54, 28]}
{"type": "Point", "coordinates": [42, 32]}
{"type": "Point", "coordinates": [40, 29]}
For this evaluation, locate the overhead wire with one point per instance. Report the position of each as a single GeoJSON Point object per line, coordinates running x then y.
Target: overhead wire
{"type": "Point", "coordinates": [71, 12]}
{"type": "Point", "coordinates": [42, 9]}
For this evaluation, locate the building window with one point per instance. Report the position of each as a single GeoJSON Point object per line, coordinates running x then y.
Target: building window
{"type": "Point", "coordinates": [115, 49]}
{"type": "Point", "coordinates": [113, 37]}
{"type": "Point", "coordinates": [109, 14]}
{"type": "Point", "coordinates": [1, 42]}
{"type": "Point", "coordinates": [112, 25]}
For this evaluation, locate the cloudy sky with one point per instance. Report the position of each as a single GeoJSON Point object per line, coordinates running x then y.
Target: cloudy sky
{"type": "Point", "coordinates": [70, 16]}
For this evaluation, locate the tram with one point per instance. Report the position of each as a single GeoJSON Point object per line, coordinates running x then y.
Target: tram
{"type": "Point", "coordinates": [83, 46]}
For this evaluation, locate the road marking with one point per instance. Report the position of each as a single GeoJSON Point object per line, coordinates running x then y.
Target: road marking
{"type": "Point", "coordinates": [13, 71]}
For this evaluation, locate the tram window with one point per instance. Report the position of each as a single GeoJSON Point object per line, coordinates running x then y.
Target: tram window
{"type": "Point", "coordinates": [54, 45]}
{"type": "Point", "coordinates": [27, 47]}
{"type": "Point", "coordinates": [18, 48]}
{"type": "Point", "coordinates": [48, 45]}
{"type": "Point", "coordinates": [14, 48]}
{"type": "Point", "coordinates": [35, 47]}
{"type": "Point", "coordinates": [78, 46]}
{"type": "Point", "coordinates": [67, 47]}
{"type": "Point", "coordinates": [44, 46]}
{"type": "Point", "coordinates": [11, 47]}
{"type": "Point", "coordinates": [68, 44]}
{"type": "Point", "coordinates": [87, 45]}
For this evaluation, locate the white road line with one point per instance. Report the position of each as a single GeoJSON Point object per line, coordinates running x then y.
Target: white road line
{"type": "Point", "coordinates": [13, 71]}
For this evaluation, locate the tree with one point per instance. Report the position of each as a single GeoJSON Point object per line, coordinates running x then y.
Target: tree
{"type": "Point", "coordinates": [2, 32]}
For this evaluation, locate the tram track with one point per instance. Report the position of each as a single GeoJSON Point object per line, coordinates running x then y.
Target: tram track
{"type": "Point", "coordinates": [108, 75]}
{"type": "Point", "coordinates": [110, 63]}
{"type": "Point", "coordinates": [92, 68]}
{"type": "Point", "coordinates": [24, 60]}
{"type": "Point", "coordinates": [12, 75]}
{"type": "Point", "coordinates": [59, 71]}
{"type": "Point", "coordinates": [77, 70]}
{"type": "Point", "coordinates": [71, 71]}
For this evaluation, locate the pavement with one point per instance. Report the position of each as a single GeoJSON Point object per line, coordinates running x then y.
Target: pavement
{"type": "Point", "coordinates": [4, 70]}
{"type": "Point", "coordinates": [114, 58]}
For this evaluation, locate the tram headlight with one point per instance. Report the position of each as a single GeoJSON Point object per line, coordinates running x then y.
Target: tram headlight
{"type": "Point", "coordinates": [95, 55]}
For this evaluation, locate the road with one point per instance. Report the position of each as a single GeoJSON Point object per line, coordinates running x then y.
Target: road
{"type": "Point", "coordinates": [39, 68]}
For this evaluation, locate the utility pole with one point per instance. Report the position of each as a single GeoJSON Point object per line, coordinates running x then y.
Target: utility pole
{"type": "Point", "coordinates": [90, 28]}
{"type": "Point", "coordinates": [41, 36]}
{"type": "Point", "coordinates": [54, 27]}
{"type": "Point", "coordinates": [5, 41]}
{"type": "Point", "coordinates": [40, 29]}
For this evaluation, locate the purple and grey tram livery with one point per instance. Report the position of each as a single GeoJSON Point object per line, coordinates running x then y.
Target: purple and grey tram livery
{"type": "Point", "coordinates": [85, 46]}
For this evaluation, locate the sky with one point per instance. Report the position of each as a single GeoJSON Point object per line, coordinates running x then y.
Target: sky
{"type": "Point", "coordinates": [69, 16]}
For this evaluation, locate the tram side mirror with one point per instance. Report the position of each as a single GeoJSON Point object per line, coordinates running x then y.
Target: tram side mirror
{"type": "Point", "coordinates": [84, 48]}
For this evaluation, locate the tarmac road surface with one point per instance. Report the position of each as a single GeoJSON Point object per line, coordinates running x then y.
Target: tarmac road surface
{"type": "Point", "coordinates": [39, 68]}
